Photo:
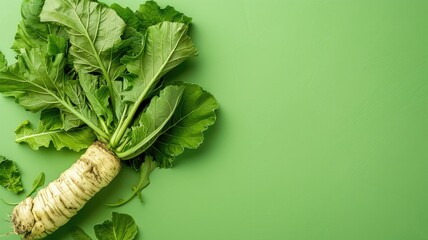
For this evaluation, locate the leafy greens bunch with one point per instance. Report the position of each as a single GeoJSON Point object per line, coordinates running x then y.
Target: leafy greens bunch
{"type": "Point", "coordinates": [96, 72]}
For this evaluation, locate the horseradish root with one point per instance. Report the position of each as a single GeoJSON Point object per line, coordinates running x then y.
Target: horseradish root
{"type": "Point", "coordinates": [55, 204]}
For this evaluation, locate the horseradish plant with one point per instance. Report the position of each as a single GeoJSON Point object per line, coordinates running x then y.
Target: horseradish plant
{"type": "Point", "coordinates": [96, 75]}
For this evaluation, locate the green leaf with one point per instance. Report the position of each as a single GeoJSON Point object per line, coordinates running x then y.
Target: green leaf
{"type": "Point", "coordinates": [70, 121]}
{"type": "Point", "coordinates": [38, 182]}
{"type": "Point", "coordinates": [151, 14]}
{"type": "Point", "coordinates": [146, 168]}
{"type": "Point", "coordinates": [97, 95]}
{"type": "Point", "coordinates": [167, 45]}
{"type": "Point", "coordinates": [36, 102]}
{"type": "Point", "coordinates": [57, 45]}
{"type": "Point", "coordinates": [119, 109]}
{"type": "Point", "coordinates": [78, 234]}
{"type": "Point", "coordinates": [51, 119]}
{"type": "Point", "coordinates": [31, 32]}
{"type": "Point", "coordinates": [151, 122]}
{"type": "Point", "coordinates": [194, 115]}
{"type": "Point", "coordinates": [127, 15]}
{"type": "Point", "coordinates": [73, 90]}
{"type": "Point", "coordinates": [51, 132]}
{"type": "Point", "coordinates": [38, 76]}
{"type": "Point", "coordinates": [38, 82]}
{"type": "Point", "coordinates": [132, 38]}
{"type": "Point", "coordinates": [10, 178]}
{"type": "Point", "coordinates": [3, 61]}
{"type": "Point", "coordinates": [121, 227]}
{"type": "Point", "coordinates": [93, 29]}
{"type": "Point", "coordinates": [51, 129]}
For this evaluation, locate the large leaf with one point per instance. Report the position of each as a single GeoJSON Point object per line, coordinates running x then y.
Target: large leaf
{"type": "Point", "coordinates": [151, 122]}
{"type": "Point", "coordinates": [97, 95]}
{"type": "Point", "coordinates": [10, 178]}
{"type": "Point", "coordinates": [31, 32]}
{"type": "Point", "coordinates": [167, 45]}
{"type": "Point", "coordinates": [37, 76]}
{"type": "Point", "coordinates": [93, 29]}
{"type": "Point", "coordinates": [128, 16]}
{"type": "Point", "coordinates": [38, 82]}
{"type": "Point", "coordinates": [151, 14]}
{"type": "Point", "coordinates": [50, 130]}
{"type": "Point", "coordinates": [75, 94]}
{"type": "Point", "coordinates": [185, 130]}
{"type": "Point", "coordinates": [133, 35]}
{"type": "Point", "coordinates": [121, 227]}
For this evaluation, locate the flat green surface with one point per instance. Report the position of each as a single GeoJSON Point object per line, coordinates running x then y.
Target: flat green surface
{"type": "Point", "coordinates": [322, 132]}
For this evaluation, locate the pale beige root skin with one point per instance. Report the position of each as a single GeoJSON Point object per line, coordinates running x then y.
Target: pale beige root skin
{"type": "Point", "coordinates": [55, 204]}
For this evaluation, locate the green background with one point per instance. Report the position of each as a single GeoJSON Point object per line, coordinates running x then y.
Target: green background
{"type": "Point", "coordinates": [322, 132]}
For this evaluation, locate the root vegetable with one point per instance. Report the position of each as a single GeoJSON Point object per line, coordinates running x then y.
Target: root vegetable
{"type": "Point", "coordinates": [55, 204]}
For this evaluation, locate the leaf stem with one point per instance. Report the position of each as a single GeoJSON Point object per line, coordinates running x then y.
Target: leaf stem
{"type": "Point", "coordinates": [38, 134]}
{"type": "Point", "coordinates": [120, 148]}
{"type": "Point", "coordinates": [77, 114]}
{"type": "Point", "coordinates": [115, 139]}
{"type": "Point", "coordinates": [62, 102]}
{"type": "Point", "coordinates": [103, 125]}
{"type": "Point", "coordinates": [122, 128]}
